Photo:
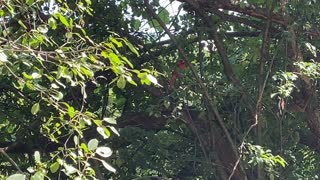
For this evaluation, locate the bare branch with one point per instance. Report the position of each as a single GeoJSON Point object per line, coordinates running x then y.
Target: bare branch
{"type": "Point", "coordinates": [2, 151]}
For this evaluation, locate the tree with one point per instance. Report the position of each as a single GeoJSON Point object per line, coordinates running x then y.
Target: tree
{"type": "Point", "coordinates": [52, 72]}
{"type": "Point", "coordinates": [245, 106]}
{"type": "Point", "coordinates": [249, 85]}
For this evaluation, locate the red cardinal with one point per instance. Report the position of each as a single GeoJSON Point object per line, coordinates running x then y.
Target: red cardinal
{"type": "Point", "coordinates": [182, 64]}
{"type": "Point", "coordinates": [176, 74]}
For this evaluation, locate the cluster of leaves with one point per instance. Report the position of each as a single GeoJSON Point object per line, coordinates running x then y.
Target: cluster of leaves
{"type": "Point", "coordinates": [286, 83]}
{"type": "Point", "coordinates": [257, 155]}
{"type": "Point", "coordinates": [47, 57]}
{"type": "Point", "coordinates": [54, 54]}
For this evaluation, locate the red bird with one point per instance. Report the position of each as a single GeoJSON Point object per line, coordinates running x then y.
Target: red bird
{"type": "Point", "coordinates": [176, 74]}
{"type": "Point", "coordinates": [182, 64]}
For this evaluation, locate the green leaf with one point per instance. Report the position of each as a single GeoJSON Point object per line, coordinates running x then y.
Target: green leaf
{"type": "Point", "coordinates": [131, 81]}
{"type": "Point", "coordinates": [166, 104]}
{"type": "Point", "coordinates": [69, 169]}
{"type": "Point", "coordinates": [71, 22]}
{"type": "Point", "coordinates": [108, 167]}
{"type": "Point", "coordinates": [86, 72]}
{"type": "Point", "coordinates": [71, 111]}
{"type": "Point", "coordinates": [136, 24]}
{"type": "Point", "coordinates": [155, 24]}
{"type": "Point", "coordinates": [3, 57]}
{"type": "Point", "coordinates": [114, 130]}
{"type": "Point", "coordinates": [29, 2]}
{"type": "Point", "coordinates": [37, 156]}
{"type": "Point", "coordinates": [88, 2]}
{"type": "Point", "coordinates": [17, 177]}
{"type": "Point", "coordinates": [127, 61]}
{"type": "Point", "coordinates": [114, 59]}
{"type": "Point", "coordinates": [104, 54]}
{"type": "Point", "coordinates": [52, 23]}
{"type": "Point", "coordinates": [144, 78]}
{"type": "Point", "coordinates": [35, 75]}
{"type": "Point", "coordinates": [22, 25]}
{"type": "Point", "coordinates": [84, 147]}
{"type": "Point", "coordinates": [312, 49]}
{"type": "Point", "coordinates": [57, 96]}
{"type": "Point", "coordinates": [54, 167]}
{"type": "Point", "coordinates": [110, 120]}
{"type": "Point", "coordinates": [43, 29]}
{"type": "Point", "coordinates": [102, 132]}
{"type": "Point", "coordinates": [75, 140]}
{"type": "Point", "coordinates": [38, 176]}
{"type": "Point", "coordinates": [35, 108]}
{"type": "Point", "coordinates": [63, 20]}
{"type": "Point", "coordinates": [121, 83]}
{"type": "Point", "coordinates": [131, 47]}
{"type": "Point", "coordinates": [93, 144]}
{"type": "Point", "coordinates": [116, 42]}
{"type": "Point", "coordinates": [152, 79]}
{"type": "Point", "coordinates": [164, 15]}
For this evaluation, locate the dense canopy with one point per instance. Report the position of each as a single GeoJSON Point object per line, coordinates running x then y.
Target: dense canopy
{"type": "Point", "coordinates": [159, 89]}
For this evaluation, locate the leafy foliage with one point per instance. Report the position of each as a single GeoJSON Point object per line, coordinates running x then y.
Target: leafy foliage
{"type": "Point", "coordinates": [93, 89]}
{"type": "Point", "coordinates": [48, 65]}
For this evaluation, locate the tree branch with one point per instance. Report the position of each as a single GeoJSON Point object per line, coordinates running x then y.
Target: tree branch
{"type": "Point", "coordinates": [2, 151]}
{"type": "Point", "coordinates": [253, 11]}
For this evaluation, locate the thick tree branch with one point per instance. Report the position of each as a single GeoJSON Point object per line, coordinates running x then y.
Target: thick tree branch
{"type": "Point", "coordinates": [253, 11]}
{"type": "Point", "coordinates": [252, 23]}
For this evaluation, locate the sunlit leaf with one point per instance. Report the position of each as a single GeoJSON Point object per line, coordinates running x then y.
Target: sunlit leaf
{"type": "Point", "coordinates": [152, 79]}
{"type": "Point", "coordinates": [37, 156]}
{"type": "Point", "coordinates": [114, 59]}
{"type": "Point", "coordinates": [93, 144]}
{"type": "Point", "coordinates": [3, 57]}
{"type": "Point", "coordinates": [38, 176]}
{"type": "Point", "coordinates": [128, 62]}
{"type": "Point", "coordinates": [108, 166]}
{"type": "Point", "coordinates": [35, 108]}
{"type": "Point", "coordinates": [104, 54]}
{"type": "Point", "coordinates": [52, 23]}
{"type": "Point", "coordinates": [114, 130]}
{"type": "Point", "coordinates": [63, 20]}
{"type": "Point", "coordinates": [57, 96]}
{"type": "Point", "coordinates": [35, 75]}
{"type": "Point", "coordinates": [17, 177]}
{"type": "Point", "coordinates": [43, 29]}
{"type": "Point", "coordinates": [101, 131]}
{"type": "Point", "coordinates": [71, 111]}
{"type": "Point", "coordinates": [121, 82]}
{"type": "Point", "coordinates": [29, 2]}
{"type": "Point", "coordinates": [104, 151]}
{"type": "Point", "coordinates": [110, 120]}
{"type": "Point", "coordinates": [70, 169]}
{"type": "Point", "coordinates": [22, 24]}
{"type": "Point", "coordinates": [54, 167]}
{"type": "Point", "coordinates": [76, 140]}
{"type": "Point", "coordinates": [84, 147]}
{"type": "Point", "coordinates": [115, 41]}
{"type": "Point", "coordinates": [131, 47]}
{"type": "Point", "coordinates": [88, 2]}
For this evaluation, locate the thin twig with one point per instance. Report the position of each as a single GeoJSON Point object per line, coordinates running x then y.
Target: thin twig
{"type": "Point", "coordinates": [2, 151]}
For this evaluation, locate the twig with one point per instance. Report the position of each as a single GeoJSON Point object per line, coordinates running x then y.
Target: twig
{"type": "Point", "coordinates": [2, 151]}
